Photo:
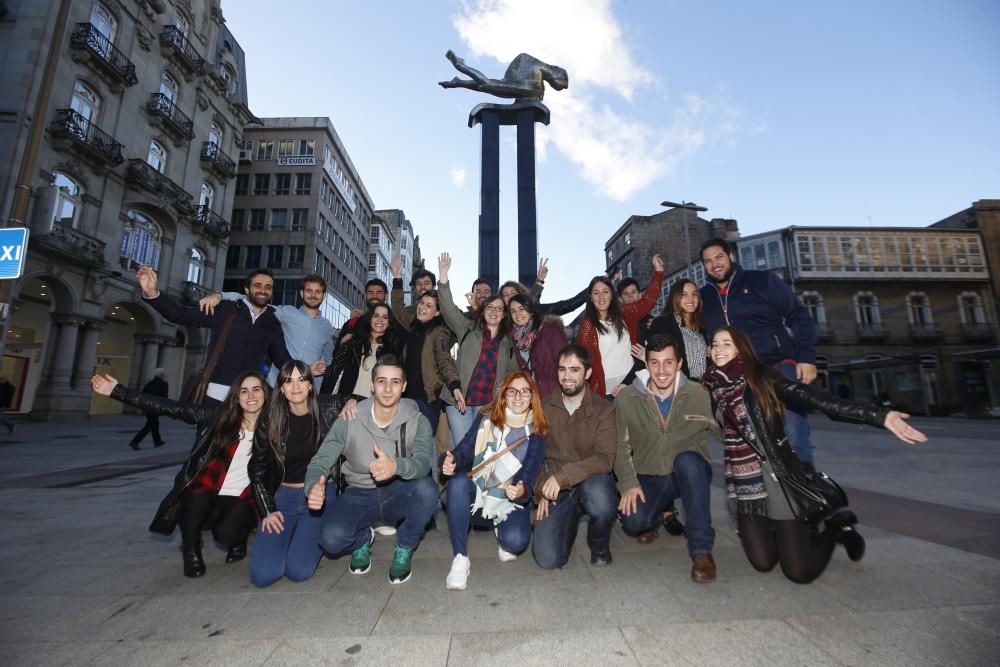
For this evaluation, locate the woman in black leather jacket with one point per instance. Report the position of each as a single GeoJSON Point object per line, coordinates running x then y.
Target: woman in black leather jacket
{"type": "Point", "coordinates": [748, 398]}
{"type": "Point", "coordinates": [287, 543]}
{"type": "Point", "coordinates": [353, 360]}
{"type": "Point", "coordinates": [212, 488]}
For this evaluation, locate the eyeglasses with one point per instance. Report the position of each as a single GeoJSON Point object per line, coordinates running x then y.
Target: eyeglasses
{"type": "Point", "coordinates": [495, 309]}
{"type": "Point", "coordinates": [514, 393]}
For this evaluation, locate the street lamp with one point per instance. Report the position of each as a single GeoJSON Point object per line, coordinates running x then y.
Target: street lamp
{"type": "Point", "coordinates": [687, 206]}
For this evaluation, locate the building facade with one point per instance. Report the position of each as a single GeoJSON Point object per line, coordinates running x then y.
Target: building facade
{"type": "Point", "coordinates": [403, 247]}
{"type": "Point", "coordinates": [134, 168]}
{"type": "Point", "coordinates": [382, 239]}
{"type": "Point", "coordinates": [300, 208]}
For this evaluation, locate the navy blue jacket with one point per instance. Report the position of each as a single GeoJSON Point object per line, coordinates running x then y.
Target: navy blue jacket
{"type": "Point", "coordinates": [763, 307]}
{"type": "Point", "coordinates": [531, 464]}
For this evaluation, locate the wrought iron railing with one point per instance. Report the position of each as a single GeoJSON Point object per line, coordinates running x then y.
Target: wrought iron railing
{"type": "Point", "coordinates": [87, 36]}
{"type": "Point", "coordinates": [979, 330]}
{"type": "Point", "coordinates": [925, 330]}
{"type": "Point", "coordinates": [871, 330]}
{"type": "Point", "coordinates": [204, 215]}
{"type": "Point", "coordinates": [72, 124]}
{"type": "Point", "coordinates": [173, 37]}
{"type": "Point", "coordinates": [164, 107]}
{"type": "Point", "coordinates": [211, 153]}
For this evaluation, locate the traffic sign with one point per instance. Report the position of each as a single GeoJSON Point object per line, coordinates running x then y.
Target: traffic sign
{"type": "Point", "coordinates": [13, 250]}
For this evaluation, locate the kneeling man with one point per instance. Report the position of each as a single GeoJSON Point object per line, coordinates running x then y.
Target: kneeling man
{"type": "Point", "coordinates": [663, 453]}
{"type": "Point", "coordinates": [387, 452]}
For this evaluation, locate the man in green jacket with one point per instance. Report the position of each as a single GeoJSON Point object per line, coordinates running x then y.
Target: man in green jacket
{"type": "Point", "coordinates": [663, 454]}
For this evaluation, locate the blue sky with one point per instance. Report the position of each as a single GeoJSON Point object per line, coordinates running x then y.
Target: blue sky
{"type": "Point", "coordinates": [773, 113]}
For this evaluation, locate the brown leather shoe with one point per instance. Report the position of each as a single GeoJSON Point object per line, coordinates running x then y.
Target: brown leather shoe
{"type": "Point", "coordinates": [646, 537]}
{"type": "Point", "coordinates": [702, 568]}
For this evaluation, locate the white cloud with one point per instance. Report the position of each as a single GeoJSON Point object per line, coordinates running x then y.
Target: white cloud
{"type": "Point", "coordinates": [617, 154]}
{"type": "Point", "coordinates": [458, 176]}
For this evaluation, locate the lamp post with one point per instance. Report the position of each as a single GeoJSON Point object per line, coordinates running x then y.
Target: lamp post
{"type": "Point", "coordinates": [687, 206]}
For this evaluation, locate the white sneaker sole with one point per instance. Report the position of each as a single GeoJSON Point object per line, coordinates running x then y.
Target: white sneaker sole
{"type": "Point", "coordinates": [456, 587]}
{"type": "Point", "coordinates": [385, 530]}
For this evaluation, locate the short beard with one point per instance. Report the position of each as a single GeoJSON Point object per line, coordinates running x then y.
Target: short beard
{"type": "Point", "coordinates": [579, 390]}
{"type": "Point", "coordinates": [725, 278]}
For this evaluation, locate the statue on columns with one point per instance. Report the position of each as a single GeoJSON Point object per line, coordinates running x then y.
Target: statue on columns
{"type": "Point", "coordinates": [524, 80]}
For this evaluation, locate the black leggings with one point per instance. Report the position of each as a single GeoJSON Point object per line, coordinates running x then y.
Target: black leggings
{"type": "Point", "coordinates": [230, 518]}
{"type": "Point", "coordinates": [802, 551]}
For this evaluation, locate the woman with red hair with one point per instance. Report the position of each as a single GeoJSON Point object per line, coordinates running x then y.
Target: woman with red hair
{"type": "Point", "coordinates": [493, 470]}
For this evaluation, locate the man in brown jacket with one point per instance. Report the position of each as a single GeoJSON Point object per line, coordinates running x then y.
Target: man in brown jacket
{"type": "Point", "coordinates": [576, 478]}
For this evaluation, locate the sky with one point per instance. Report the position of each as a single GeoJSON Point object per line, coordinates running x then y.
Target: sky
{"type": "Point", "coordinates": [775, 113]}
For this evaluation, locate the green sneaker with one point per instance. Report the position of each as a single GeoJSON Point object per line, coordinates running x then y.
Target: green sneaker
{"type": "Point", "coordinates": [402, 565]}
{"type": "Point", "coordinates": [361, 559]}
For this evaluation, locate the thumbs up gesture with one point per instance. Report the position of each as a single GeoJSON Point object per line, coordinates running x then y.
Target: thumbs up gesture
{"type": "Point", "coordinates": [317, 494]}
{"type": "Point", "coordinates": [383, 467]}
{"type": "Point", "coordinates": [448, 465]}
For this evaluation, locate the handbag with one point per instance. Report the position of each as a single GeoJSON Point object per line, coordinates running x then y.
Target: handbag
{"type": "Point", "coordinates": [814, 496]}
{"type": "Point", "coordinates": [196, 392]}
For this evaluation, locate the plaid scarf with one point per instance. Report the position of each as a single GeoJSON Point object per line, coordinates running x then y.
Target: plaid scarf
{"type": "Point", "coordinates": [492, 480]}
{"type": "Point", "coordinates": [524, 337]}
{"type": "Point", "coordinates": [745, 492]}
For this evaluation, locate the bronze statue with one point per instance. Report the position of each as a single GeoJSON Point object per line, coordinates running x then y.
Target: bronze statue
{"type": "Point", "coordinates": [524, 79]}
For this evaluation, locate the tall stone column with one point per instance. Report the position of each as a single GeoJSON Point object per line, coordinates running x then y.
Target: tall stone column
{"type": "Point", "coordinates": [86, 358]}
{"type": "Point", "coordinates": [135, 368]}
{"type": "Point", "coordinates": [64, 353]}
{"type": "Point", "coordinates": [56, 399]}
{"type": "Point", "coordinates": [149, 360]}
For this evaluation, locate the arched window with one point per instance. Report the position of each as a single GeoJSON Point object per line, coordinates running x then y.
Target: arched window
{"type": "Point", "coordinates": [970, 308]}
{"type": "Point", "coordinates": [181, 22]}
{"type": "Point", "coordinates": [85, 101]}
{"type": "Point", "coordinates": [918, 309]}
{"type": "Point", "coordinates": [106, 24]}
{"type": "Point", "coordinates": [68, 200]}
{"type": "Point", "coordinates": [157, 156]}
{"type": "Point", "coordinates": [207, 196]}
{"type": "Point", "coordinates": [230, 79]}
{"type": "Point", "coordinates": [196, 266]}
{"type": "Point", "coordinates": [168, 87]}
{"type": "Point", "coordinates": [140, 242]}
{"type": "Point", "coordinates": [215, 134]}
{"type": "Point", "coordinates": [866, 310]}
{"type": "Point", "coordinates": [813, 301]}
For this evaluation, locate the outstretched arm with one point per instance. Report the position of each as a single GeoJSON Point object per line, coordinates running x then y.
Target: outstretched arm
{"type": "Point", "coordinates": [106, 385]}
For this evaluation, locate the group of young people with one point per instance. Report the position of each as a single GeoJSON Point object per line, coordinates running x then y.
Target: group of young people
{"type": "Point", "coordinates": [540, 432]}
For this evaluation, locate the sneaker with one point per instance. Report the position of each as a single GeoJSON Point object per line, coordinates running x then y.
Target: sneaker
{"type": "Point", "coordinates": [458, 575]}
{"type": "Point", "coordinates": [402, 565]}
{"type": "Point", "coordinates": [601, 560]}
{"type": "Point", "coordinates": [385, 530]}
{"type": "Point", "coordinates": [361, 559]}
{"type": "Point", "coordinates": [504, 555]}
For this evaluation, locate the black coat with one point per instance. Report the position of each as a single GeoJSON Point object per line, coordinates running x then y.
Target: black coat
{"type": "Point", "coordinates": [267, 460]}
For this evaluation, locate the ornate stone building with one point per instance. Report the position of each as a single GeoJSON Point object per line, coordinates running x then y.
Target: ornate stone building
{"type": "Point", "coordinates": [135, 167]}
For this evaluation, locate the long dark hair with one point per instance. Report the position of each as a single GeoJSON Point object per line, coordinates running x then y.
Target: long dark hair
{"type": "Point", "coordinates": [529, 305]}
{"type": "Point", "coordinates": [614, 309]}
{"type": "Point", "coordinates": [278, 413]}
{"type": "Point", "coordinates": [691, 321]}
{"type": "Point", "coordinates": [392, 338]}
{"type": "Point", "coordinates": [503, 329]}
{"type": "Point", "coordinates": [230, 421]}
{"type": "Point", "coordinates": [753, 372]}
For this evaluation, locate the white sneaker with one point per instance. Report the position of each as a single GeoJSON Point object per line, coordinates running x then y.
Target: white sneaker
{"type": "Point", "coordinates": [505, 556]}
{"type": "Point", "coordinates": [385, 530]}
{"type": "Point", "coordinates": [458, 576]}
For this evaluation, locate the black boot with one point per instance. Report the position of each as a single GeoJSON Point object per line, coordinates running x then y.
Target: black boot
{"type": "Point", "coordinates": [237, 552]}
{"type": "Point", "coordinates": [194, 565]}
{"type": "Point", "coordinates": [853, 542]}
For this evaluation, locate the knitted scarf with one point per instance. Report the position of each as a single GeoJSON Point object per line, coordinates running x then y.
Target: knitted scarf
{"type": "Point", "coordinates": [490, 482]}
{"type": "Point", "coordinates": [525, 336]}
{"type": "Point", "coordinates": [745, 492]}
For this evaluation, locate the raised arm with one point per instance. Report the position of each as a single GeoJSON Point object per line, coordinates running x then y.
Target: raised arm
{"type": "Point", "coordinates": [187, 412]}
{"type": "Point", "coordinates": [184, 315]}
{"type": "Point", "coordinates": [644, 306]}
{"type": "Point", "coordinates": [450, 313]}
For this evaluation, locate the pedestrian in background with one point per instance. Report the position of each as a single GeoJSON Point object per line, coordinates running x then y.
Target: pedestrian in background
{"type": "Point", "coordinates": [156, 387]}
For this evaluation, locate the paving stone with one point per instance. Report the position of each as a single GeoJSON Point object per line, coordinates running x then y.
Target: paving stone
{"type": "Point", "coordinates": [593, 647]}
{"type": "Point", "coordinates": [363, 650]}
{"type": "Point", "coordinates": [216, 651]}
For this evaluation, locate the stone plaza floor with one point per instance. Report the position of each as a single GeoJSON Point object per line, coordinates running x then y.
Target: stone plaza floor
{"type": "Point", "coordinates": [82, 582]}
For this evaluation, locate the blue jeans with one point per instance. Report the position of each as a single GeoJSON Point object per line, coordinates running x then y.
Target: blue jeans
{"type": "Point", "coordinates": [690, 481]}
{"type": "Point", "coordinates": [432, 411]}
{"type": "Point", "coordinates": [554, 535]}
{"type": "Point", "coordinates": [294, 552]}
{"type": "Point", "coordinates": [514, 531]}
{"type": "Point", "coordinates": [796, 422]}
{"type": "Point", "coordinates": [349, 516]}
{"type": "Point", "coordinates": [460, 424]}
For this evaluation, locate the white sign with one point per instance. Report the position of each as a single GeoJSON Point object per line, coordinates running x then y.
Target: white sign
{"type": "Point", "coordinates": [296, 161]}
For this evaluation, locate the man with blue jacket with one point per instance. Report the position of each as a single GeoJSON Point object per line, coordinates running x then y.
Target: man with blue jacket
{"type": "Point", "coordinates": [762, 305]}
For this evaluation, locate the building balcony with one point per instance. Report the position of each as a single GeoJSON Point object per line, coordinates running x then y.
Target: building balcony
{"type": "Point", "coordinates": [926, 331]}
{"type": "Point", "coordinates": [174, 45]}
{"type": "Point", "coordinates": [824, 331]}
{"type": "Point", "coordinates": [872, 331]}
{"type": "Point", "coordinates": [92, 143]}
{"type": "Point", "coordinates": [166, 114]}
{"type": "Point", "coordinates": [89, 46]}
{"type": "Point", "coordinates": [210, 221]}
{"type": "Point", "coordinates": [140, 175]}
{"type": "Point", "coordinates": [980, 331]}
{"type": "Point", "coordinates": [71, 245]}
{"type": "Point", "coordinates": [215, 160]}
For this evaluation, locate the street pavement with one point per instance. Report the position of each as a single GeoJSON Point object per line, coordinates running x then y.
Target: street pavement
{"type": "Point", "coordinates": [82, 582]}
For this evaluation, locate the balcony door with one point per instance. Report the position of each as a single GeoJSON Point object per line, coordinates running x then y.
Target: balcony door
{"type": "Point", "coordinates": [106, 24]}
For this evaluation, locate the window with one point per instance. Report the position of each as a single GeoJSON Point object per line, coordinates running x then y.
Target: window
{"type": "Point", "coordinates": [279, 219]}
{"type": "Point", "coordinates": [257, 219]}
{"type": "Point", "coordinates": [85, 101]}
{"type": "Point", "coordinates": [196, 266]}
{"type": "Point", "coordinates": [285, 147]}
{"type": "Point", "coordinates": [68, 200]}
{"type": "Point", "coordinates": [207, 196]}
{"type": "Point", "coordinates": [970, 308]}
{"type": "Point", "coordinates": [372, 261]}
{"type": "Point", "coordinates": [168, 87]}
{"type": "Point", "coordinates": [265, 149]}
{"type": "Point", "coordinates": [918, 309]}
{"type": "Point", "coordinates": [261, 183]}
{"type": "Point", "coordinates": [299, 217]}
{"type": "Point", "coordinates": [373, 234]}
{"type": "Point", "coordinates": [774, 254]}
{"type": "Point", "coordinates": [242, 183]}
{"type": "Point", "coordinates": [813, 301]}
{"type": "Point", "coordinates": [282, 183]}
{"type": "Point", "coordinates": [317, 260]}
{"type": "Point", "coordinates": [181, 23]}
{"type": "Point", "coordinates": [628, 269]}
{"type": "Point", "coordinates": [320, 225]}
{"type": "Point", "coordinates": [233, 257]}
{"type": "Point", "coordinates": [866, 310]}
{"type": "Point", "coordinates": [628, 238]}
{"type": "Point", "coordinates": [296, 256]}
{"type": "Point", "coordinates": [275, 253]}
{"type": "Point", "coordinates": [215, 134]}
{"type": "Point", "coordinates": [140, 242]}
{"type": "Point", "coordinates": [303, 184]}
{"type": "Point", "coordinates": [253, 257]}
{"type": "Point", "coordinates": [239, 216]}
{"type": "Point", "coordinates": [106, 24]}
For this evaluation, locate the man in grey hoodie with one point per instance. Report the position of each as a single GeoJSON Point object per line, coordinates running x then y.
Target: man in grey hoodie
{"type": "Point", "coordinates": [387, 452]}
